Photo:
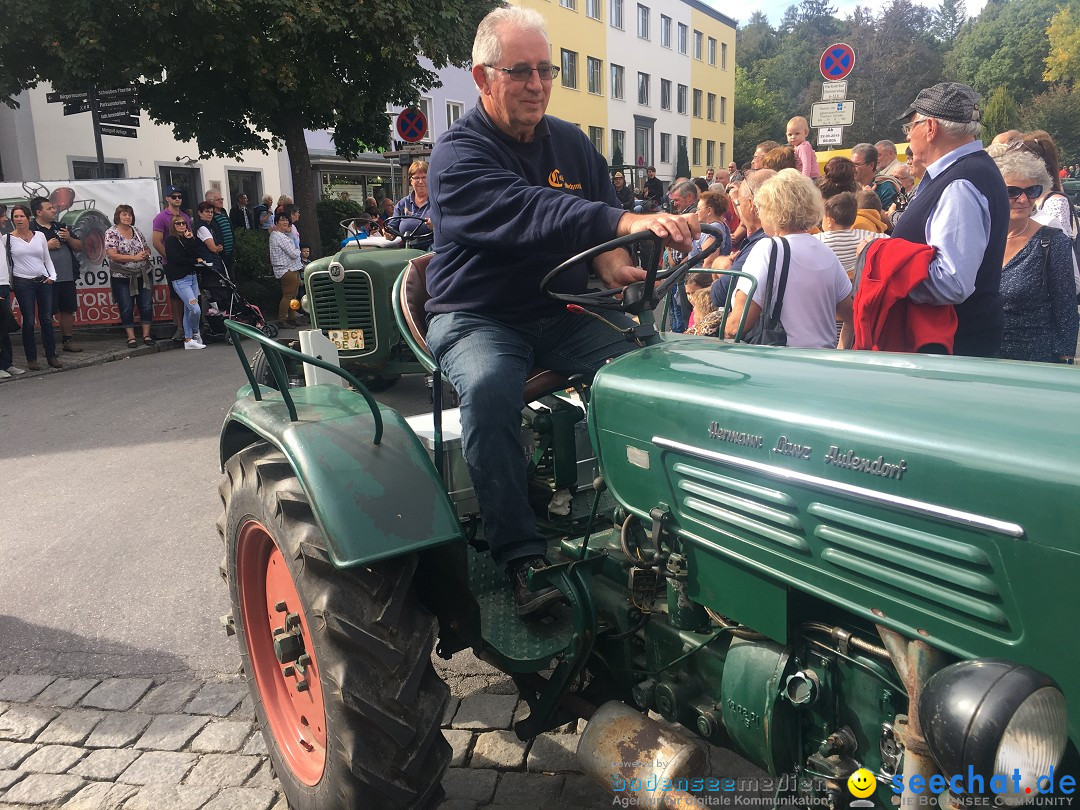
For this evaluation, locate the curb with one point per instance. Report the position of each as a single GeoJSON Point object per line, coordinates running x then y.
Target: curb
{"type": "Point", "coordinates": [90, 358]}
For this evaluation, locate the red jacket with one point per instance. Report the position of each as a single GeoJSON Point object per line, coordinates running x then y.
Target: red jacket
{"type": "Point", "coordinates": [885, 321]}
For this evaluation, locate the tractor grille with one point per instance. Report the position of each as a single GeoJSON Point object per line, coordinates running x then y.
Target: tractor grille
{"type": "Point", "coordinates": [345, 305]}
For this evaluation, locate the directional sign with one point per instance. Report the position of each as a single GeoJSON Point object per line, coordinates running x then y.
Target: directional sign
{"type": "Point", "coordinates": [123, 106]}
{"type": "Point", "coordinates": [832, 113]}
{"type": "Point", "coordinates": [117, 92]}
{"type": "Point", "coordinates": [120, 119]}
{"type": "Point", "coordinates": [54, 98]}
{"type": "Point", "coordinates": [833, 91]}
{"type": "Point", "coordinates": [837, 61]}
{"type": "Point", "coordinates": [830, 136]}
{"type": "Point", "coordinates": [119, 132]}
{"type": "Point", "coordinates": [411, 125]}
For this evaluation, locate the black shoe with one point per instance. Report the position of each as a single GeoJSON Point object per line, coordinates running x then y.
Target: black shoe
{"type": "Point", "coordinates": [526, 601]}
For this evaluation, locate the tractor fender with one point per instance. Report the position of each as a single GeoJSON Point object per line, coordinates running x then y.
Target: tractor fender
{"type": "Point", "coordinates": [372, 501]}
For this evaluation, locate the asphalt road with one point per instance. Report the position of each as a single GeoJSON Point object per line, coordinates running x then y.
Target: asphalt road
{"type": "Point", "coordinates": [108, 499]}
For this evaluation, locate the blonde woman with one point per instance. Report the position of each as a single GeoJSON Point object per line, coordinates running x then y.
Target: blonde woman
{"type": "Point", "coordinates": [818, 291]}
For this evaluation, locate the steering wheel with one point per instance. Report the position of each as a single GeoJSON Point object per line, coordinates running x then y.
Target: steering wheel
{"type": "Point", "coordinates": [392, 225]}
{"type": "Point", "coordinates": [33, 189]}
{"type": "Point", "coordinates": [640, 295]}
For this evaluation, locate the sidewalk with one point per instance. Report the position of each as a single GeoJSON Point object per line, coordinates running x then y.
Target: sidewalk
{"type": "Point", "coordinates": [99, 345]}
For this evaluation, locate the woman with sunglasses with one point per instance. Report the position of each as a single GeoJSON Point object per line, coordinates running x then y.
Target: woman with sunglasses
{"type": "Point", "coordinates": [184, 254]}
{"type": "Point", "coordinates": [1041, 320]}
{"type": "Point", "coordinates": [32, 274]}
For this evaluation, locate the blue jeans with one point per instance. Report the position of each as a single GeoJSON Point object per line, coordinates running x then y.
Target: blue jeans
{"type": "Point", "coordinates": [487, 361]}
{"type": "Point", "coordinates": [121, 293]}
{"type": "Point", "coordinates": [6, 357]}
{"type": "Point", "coordinates": [35, 296]}
{"type": "Point", "coordinates": [188, 290]}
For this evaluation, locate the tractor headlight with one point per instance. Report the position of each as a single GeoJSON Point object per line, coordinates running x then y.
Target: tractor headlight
{"type": "Point", "coordinates": [989, 717]}
{"type": "Point", "coordinates": [304, 303]}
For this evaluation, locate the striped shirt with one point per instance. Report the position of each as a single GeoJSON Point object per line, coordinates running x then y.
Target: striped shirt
{"type": "Point", "coordinates": [845, 245]}
{"type": "Point", "coordinates": [228, 241]}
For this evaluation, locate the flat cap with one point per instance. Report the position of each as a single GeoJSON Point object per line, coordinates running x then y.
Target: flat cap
{"type": "Point", "coordinates": [949, 101]}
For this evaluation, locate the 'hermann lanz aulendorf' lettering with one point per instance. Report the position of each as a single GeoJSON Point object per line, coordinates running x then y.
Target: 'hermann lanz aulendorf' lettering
{"type": "Point", "coordinates": [733, 436]}
{"type": "Point", "coordinates": [878, 466]}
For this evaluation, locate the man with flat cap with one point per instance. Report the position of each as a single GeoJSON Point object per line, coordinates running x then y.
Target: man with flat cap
{"type": "Point", "coordinates": [961, 209]}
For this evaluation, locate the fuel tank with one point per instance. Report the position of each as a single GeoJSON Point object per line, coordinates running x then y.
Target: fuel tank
{"type": "Point", "coordinates": [939, 496]}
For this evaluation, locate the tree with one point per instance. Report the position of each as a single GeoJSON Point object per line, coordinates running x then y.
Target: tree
{"type": "Point", "coordinates": [616, 156]}
{"type": "Point", "coordinates": [246, 74]}
{"type": "Point", "coordinates": [682, 160]}
{"type": "Point", "coordinates": [756, 40]}
{"type": "Point", "coordinates": [757, 115]}
{"type": "Point", "coordinates": [1063, 60]}
{"type": "Point", "coordinates": [999, 114]}
{"type": "Point", "coordinates": [1006, 46]}
{"type": "Point", "coordinates": [949, 21]}
{"type": "Point", "coordinates": [1058, 112]}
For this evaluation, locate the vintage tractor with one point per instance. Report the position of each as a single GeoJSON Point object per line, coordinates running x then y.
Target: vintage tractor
{"type": "Point", "coordinates": [852, 568]}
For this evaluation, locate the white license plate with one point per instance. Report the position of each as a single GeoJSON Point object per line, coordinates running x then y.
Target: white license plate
{"type": "Point", "coordinates": [346, 339]}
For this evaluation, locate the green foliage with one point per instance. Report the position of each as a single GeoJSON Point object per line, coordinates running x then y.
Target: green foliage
{"type": "Point", "coordinates": [999, 114]}
{"type": "Point", "coordinates": [253, 274]}
{"type": "Point", "coordinates": [757, 115]}
{"type": "Point", "coordinates": [331, 212]}
{"type": "Point", "coordinates": [1063, 60]}
{"type": "Point", "coordinates": [949, 21]}
{"type": "Point", "coordinates": [1058, 112]}
{"type": "Point", "coordinates": [682, 161]}
{"type": "Point", "coordinates": [1006, 46]}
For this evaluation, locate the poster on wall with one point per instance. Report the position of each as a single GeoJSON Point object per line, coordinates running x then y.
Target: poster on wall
{"type": "Point", "coordinates": [87, 207]}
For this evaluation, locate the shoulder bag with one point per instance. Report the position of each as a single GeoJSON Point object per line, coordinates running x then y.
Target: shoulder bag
{"type": "Point", "coordinates": [769, 331]}
{"type": "Point", "coordinates": [134, 268]}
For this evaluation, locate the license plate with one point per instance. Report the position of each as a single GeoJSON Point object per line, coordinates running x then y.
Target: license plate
{"type": "Point", "coordinates": [347, 339]}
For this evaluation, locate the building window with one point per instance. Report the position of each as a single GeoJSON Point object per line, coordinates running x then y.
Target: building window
{"type": "Point", "coordinates": [710, 153]}
{"type": "Point", "coordinates": [697, 103]}
{"type": "Point", "coordinates": [681, 142]}
{"type": "Point", "coordinates": [643, 21]}
{"type": "Point", "coordinates": [618, 143]}
{"type": "Point", "coordinates": [680, 100]}
{"type": "Point", "coordinates": [720, 157]}
{"type": "Point", "coordinates": [643, 145]}
{"type": "Point", "coordinates": [617, 14]}
{"type": "Point", "coordinates": [88, 170]}
{"type": "Point", "coordinates": [710, 107]}
{"type": "Point", "coordinates": [617, 74]}
{"type": "Point", "coordinates": [665, 147]}
{"type": "Point", "coordinates": [595, 69]}
{"type": "Point", "coordinates": [454, 110]}
{"type": "Point", "coordinates": [592, 9]}
{"type": "Point", "coordinates": [723, 109]}
{"type": "Point", "coordinates": [697, 45]}
{"type": "Point", "coordinates": [665, 94]}
{"type": "Point", "coordinates": [569, 69]}
{"type": "Point", "coordinates": [643, 89]}
{"type": "Point", "coordinates": [596, 135]}
{"type": "Point", "coordinates": [684, 34]}
{"type": "Point", "coordinates": [697, 152]}
{"type": "Point", "coordinates": [570, 4]}
{"type": "Point", "coordinates": [249, 183]}
{"type": "Point", "coordinates": [712, 51]}
{"type": "Point", "coordinates": [665, 31]}
{"type": "Point", "coordinates": [723, 56]}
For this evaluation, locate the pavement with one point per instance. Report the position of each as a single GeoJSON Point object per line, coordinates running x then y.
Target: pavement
{"type": "Point", "coordinates": [99, 345]}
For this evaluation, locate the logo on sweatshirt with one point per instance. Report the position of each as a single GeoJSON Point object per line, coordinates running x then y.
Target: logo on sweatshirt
{"type": "Point", "coordinates": [556, 180]}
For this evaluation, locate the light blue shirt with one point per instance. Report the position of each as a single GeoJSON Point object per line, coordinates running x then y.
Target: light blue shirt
{"type": "Point", "coordinates": [959, 229]}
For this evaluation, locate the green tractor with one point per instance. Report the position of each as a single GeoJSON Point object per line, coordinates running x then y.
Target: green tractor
{"type": "Point", "coordinates": [848, 567]}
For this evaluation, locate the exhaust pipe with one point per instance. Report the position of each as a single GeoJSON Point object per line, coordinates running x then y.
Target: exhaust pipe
{"type": "Point", "coordinates": [638, 759]}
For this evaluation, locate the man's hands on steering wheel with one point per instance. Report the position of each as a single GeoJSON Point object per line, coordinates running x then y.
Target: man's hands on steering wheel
{"type": "Point", "coordinates": [394, 227]}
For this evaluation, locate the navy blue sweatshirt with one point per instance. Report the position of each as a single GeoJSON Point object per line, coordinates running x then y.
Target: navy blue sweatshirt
{"type": "Point", "coordinates": [505, 213]}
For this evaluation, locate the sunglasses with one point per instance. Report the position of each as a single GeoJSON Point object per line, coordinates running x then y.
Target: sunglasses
{"type": "Point", "coordinates": [1031, 192]}
{"type": "Point", "coordinates": [522, 73]}
{"type": "Point", "coordinates": [175, 197]}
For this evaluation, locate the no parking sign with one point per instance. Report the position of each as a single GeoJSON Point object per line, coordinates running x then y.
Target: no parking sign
{"type": "Point", "coordinates": [837, 61]}
{"type": "Point", "coordinates": [411, 125]}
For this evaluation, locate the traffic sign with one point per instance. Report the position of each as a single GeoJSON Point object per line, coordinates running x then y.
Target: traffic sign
{"type": "Point", "coordinates": [120, 119]}
{"type": "Point", "coordinates": [53, 98]}
{"type": "Point", "coordinates": [832, 113]}
{"type": "Point", "coordinates": [833, 91]}
{"type": "Point", "coordinates": [122, 106]}
{"type": "Point", "coordinates": [837, 61]}
{"type": "Point", "coordinates": [830, 136]}
{"type": "Point", "coordinates": [119, 132]}
{"type": "Point", "coordinates": [412, 125]}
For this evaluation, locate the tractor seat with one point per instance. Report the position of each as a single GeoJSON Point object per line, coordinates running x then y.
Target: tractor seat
{"type": "Point", "coordinates": [414, 296]}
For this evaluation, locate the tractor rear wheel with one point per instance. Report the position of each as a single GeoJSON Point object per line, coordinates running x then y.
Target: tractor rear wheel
{"type": "Point", "coordinates": [338, 661]}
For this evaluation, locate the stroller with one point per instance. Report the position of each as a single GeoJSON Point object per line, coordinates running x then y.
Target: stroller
{"type": "Point", "coordinates": [223, 301]}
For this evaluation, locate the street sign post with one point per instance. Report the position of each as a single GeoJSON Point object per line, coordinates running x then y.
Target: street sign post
{"type": "Point", "coordinates": [120, 119]}
{"type": "Point", "coordinates": [118, 132]}
{"type": "Point", "coordinates": [830, 136]}
{"type": "Point", "coordinates": [412, 125]}
{"type": "Point", "coordinates": [837, 61]}
{"type": "Point", "coordinates": [116, 105]}
{"type": "Point", "coordinates": [832, 113]}
{"type": "Point", "coordinates": [833, 91]}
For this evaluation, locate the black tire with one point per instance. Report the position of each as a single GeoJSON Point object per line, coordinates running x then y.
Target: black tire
{"type": "Point", "coordinates": [90, 227]}
{"type": "Point", "coordinates": [372, 639]}
{"type": "Point", "coordinates": [270, 330]}
{"type": "Point", "coordinates": [261, 369]}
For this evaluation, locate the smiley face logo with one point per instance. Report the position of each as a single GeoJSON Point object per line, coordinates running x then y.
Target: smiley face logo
{"type": "Point", "coordinates": [862, 783]}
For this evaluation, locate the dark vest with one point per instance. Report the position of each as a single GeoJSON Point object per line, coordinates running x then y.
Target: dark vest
{"type": "Point", "coordinates": [980, 317]}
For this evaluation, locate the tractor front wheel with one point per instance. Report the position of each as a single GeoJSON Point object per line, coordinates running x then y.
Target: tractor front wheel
{"type": "Point", "coordinates": [338, 661]}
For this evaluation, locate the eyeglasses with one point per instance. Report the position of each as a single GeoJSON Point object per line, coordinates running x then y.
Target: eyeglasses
{"type": "Point", "coordinates": [907, 128]}
{"type": "Point", "coordinates": [175, 197]}
{"type": "Point", "coordinates": [1031, 192]}
{"type": "Point", "coordinates": [522, 73]}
